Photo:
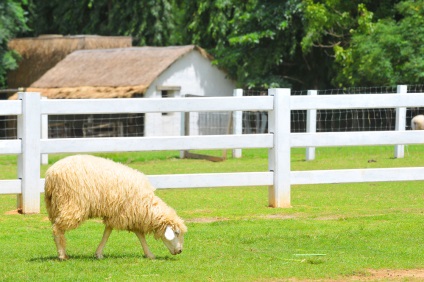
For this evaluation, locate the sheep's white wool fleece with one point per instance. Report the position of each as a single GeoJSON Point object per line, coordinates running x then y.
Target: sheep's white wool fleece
{"type": "Point", "coordinates": [417, 123]}
{"type": "Point", "coordinates": [83, 186]}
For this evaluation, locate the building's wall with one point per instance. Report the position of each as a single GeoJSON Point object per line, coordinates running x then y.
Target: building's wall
{"type": "Point", "coordinates": [195, 75]}
{"type": "Point", "coordinates": [161, 124]}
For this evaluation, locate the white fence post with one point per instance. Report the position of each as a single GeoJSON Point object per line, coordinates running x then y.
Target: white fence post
{"type": "Point", "coordinates": [311, 126]}
{"type": "Point", "coordinates": [29, 160]}
{"type": "Point", "coordinates": [237, 123]}
{"type": "Point", "coordinates": [279, 155]}
{"type": "Point", "coordinates": [400, 121]}
{"type": "Point", "coordinates": [44, 135]}
{"type": "Point", "coordinates": [183, 128]}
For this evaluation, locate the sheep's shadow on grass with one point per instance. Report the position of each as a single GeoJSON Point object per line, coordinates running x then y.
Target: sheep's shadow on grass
{"type": "Point", "coordinates": [106, 257]}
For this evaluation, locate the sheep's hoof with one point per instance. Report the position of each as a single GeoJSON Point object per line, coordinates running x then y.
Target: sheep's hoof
{"type": "Point", "coordinates": [99, 256]}
{"type": "Point", "coordinates": [150, 256]}
{"type": "Point", "coordinates": [63, 258]}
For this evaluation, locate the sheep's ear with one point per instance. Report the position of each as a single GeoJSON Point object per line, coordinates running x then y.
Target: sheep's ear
{"type": "Point", "coordinates": [169, 233]}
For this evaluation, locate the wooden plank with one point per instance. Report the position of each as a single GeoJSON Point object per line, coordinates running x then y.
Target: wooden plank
{"type": "Point", "coordinates": [189, 155]}
{"type": "Point", "coordinates": [212, 180]}
{"type": "Point", "coordinates": [356, 101]}
{"type": "Point", "coordinates": [10, 186]}
{"type": "Point", "coordinates": [204, 180]}
{"type": "Point", "coordinates": [10, 147]}
{"type": "Point", "coordinates": [131, 144]}
{"type": "Point", "coordinates": [356, 175]}
{"type": "Point", "coordinates": [10, 107]}
{"type": "Point", "coordinates": [168, 87]}
{"type": "Point", "coordinates": [153, 105]}
{"type": "Point", "coordinates": [363, 138]}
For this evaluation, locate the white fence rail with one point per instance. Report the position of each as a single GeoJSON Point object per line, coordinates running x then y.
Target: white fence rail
{"type": "Point", "coordinates": [30, 145]}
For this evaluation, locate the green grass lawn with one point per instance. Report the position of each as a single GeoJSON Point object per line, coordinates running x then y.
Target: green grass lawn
{"type": "Point", "coordinates": [331, 232]}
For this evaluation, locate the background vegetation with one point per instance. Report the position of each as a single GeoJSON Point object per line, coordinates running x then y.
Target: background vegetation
{"type": "Point", "coordinates": [12, 22]}
{"type": "Point", "coordinates": [336, 231]}
{"type": "Point", "coordinates": [302, 44]}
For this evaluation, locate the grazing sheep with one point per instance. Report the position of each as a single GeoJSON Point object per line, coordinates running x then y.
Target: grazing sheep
{"type": "Point", "coordinates": [417, 123]}
{"type": "Point", "coordinates": [82, 187]}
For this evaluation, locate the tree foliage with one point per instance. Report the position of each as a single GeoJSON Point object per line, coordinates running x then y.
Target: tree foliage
{"type": "Point", "coordinates": [149, 22]}
{"type": "Point", "coordinates": [385, 52]}
{"type": "Point", "coordinates": [302, 44]}
{"type": "Point", "coordinates": [12, 22]}
{"type": "Point", "coordinates": [271, 43]}
{"type": "Point", "coordinates": [255, 41]}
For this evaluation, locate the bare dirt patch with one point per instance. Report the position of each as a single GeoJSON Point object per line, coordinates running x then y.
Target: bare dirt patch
{"type": "Point", "coordinates": [216, 219]}
{"type": "Point", "coordinates": [398, 274]}
{"type": "Point", "coordinates": [378, 275]}
{"type": "Point", "coordinates": [385, 275]}
{"type": "Point", "coordinates": [206, 219]}
{"type": "Point", "coordinates": [18, 211]}
{"type": "Point", "coordinates": [278, 216]}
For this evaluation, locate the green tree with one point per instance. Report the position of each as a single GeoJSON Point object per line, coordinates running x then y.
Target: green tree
{"type": "Point", "coordinates": [12, 22]}
{"type": "Point", "coordinates": [255, 41]}
{"type": "Point", "coordinates": [273, 43]}
{"type": "Point", "coordinates": [149, 22]}
{"type": "Point", "coordinates": [264, 46]}
{"type": "Point", "coordinates": [330, 26]}
{"type": "Point", "coordinates": [387, 51]}
{"type": "Point", "coordinates": [302, 44]}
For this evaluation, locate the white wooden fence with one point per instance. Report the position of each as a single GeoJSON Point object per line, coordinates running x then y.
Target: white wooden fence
{"type": "Point", "coordinates": [30, 145]}
{"type": "Point", "coordinates": [400, 121]}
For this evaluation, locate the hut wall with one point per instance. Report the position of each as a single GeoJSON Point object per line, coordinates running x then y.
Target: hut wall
{"type": "Point", "coordinates": [195, 75]}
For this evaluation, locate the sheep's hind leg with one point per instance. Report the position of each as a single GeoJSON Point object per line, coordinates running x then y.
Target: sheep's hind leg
{"type": "Point", "coordinates": [143, 242]}
{"type": "Point", "coordinates": [60, 240]}
{"type": "Point", "coordinates": [106, 234]}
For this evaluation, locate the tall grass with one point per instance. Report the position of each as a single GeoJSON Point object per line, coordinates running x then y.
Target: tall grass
{"type": "Point", "coordinates": [331, 232]}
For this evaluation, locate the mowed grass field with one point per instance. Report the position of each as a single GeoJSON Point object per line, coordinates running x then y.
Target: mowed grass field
{"type": "Point", "coordinates": [334, 232]}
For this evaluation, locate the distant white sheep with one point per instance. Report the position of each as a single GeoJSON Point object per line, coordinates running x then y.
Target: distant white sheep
{"type": "Point", "coordinates": [417, 123]}
{"type": "Point", "coordinates": [81, 187]}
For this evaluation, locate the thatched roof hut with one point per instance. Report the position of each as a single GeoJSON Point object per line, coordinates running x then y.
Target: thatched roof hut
{"type": "Point", "coordinates": [148, 72]}
{"type": "Point", "coordinates": [39, 54]}
{"type": "Point", "coordinates": [109, 73]}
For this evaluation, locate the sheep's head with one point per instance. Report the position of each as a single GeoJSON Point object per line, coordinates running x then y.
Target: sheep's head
{"type": "Point", "coordinates": [173, 238]}
{"type": "Point", "coordinates": [168, 226]}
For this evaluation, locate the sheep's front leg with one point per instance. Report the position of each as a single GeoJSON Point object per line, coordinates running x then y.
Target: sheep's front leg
{"type": "Point", "coordinates": [106, 234]}
{"type": "Point", "coordinates": [143, 242]}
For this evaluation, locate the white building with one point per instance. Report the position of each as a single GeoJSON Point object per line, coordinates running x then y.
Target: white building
{"type": "Point", "coordinates": [137, 72]}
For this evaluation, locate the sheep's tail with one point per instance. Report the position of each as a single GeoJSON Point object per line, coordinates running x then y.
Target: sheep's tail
{"type": "Point", "coordinates": [48, 195]}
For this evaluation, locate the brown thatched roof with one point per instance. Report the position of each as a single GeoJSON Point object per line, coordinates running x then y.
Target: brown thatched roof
{"type": "Point", "coordinates": [88, 92]}
{"type": "Point", "coordinates": [109, 73]}
{"type": "Point", "coordinates": [39, 54]}
{"type": "Point", "coordinates": [112, 67]}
